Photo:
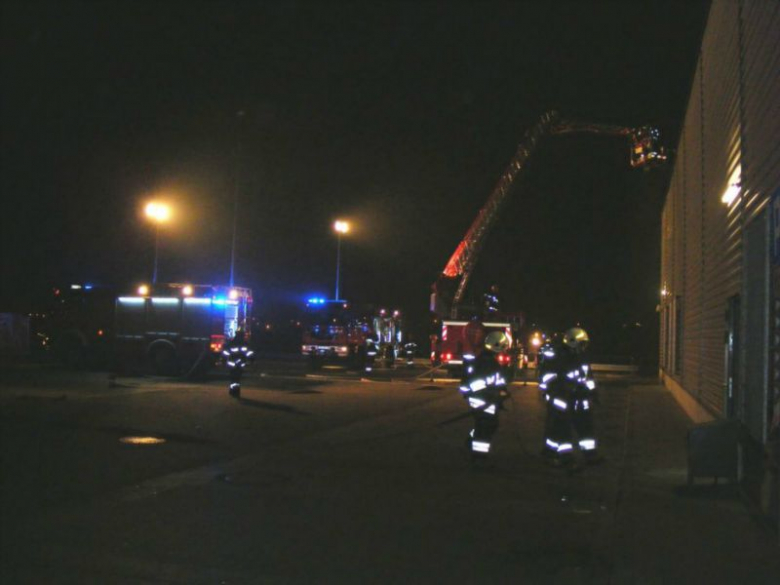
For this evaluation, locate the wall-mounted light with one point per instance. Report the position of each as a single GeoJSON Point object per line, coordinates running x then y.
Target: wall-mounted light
{"type": "Point", "coordinates": [733, 187]}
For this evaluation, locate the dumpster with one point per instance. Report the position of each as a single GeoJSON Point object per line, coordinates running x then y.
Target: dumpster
{"type": "Point", "coordinates": [714, 450]}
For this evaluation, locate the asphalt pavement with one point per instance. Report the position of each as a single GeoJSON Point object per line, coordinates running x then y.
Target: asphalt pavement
{"type": "Point", "coordinates": [335, 477]}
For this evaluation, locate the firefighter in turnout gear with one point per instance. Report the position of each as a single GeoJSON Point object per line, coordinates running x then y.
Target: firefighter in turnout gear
{"type": "Point", "coordinates": [483, 386]}
{"type": "Point", "coordinates": [237, 355]}
{"type": "Point", "coordinates": [490, 303]}
{"type": "Point", "coordinates": [569, 389]}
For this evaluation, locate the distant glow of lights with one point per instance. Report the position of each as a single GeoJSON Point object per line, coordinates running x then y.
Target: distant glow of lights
{"type": "Point", "coordinates": [143, 290]}
{"type": "Point", "coordinates": [734, 186]}
{"type": "Point", "coordinates": [142, 440]}
{"type": "Point", "coordinates": [341, 226]}
{"type": "Point", "coordinates": [87, 287]}
{"type": "Point", "coordinates": [75, 286]}
{"type": "Point", "coordinates": [186, 290]}
{"type": "Point", "coordinates": [157, 211]}
{"type": "Point", "coordinates": [100, 332]}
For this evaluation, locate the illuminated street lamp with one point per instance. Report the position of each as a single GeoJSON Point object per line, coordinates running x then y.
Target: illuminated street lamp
{"type": "Point", "coordinates": [341, 227]}
{"type": "Point", "coordinates": [158, 213]}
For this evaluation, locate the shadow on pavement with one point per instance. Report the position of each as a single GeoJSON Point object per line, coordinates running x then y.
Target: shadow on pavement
{"type": "Point", "coordinates": [271, 406]}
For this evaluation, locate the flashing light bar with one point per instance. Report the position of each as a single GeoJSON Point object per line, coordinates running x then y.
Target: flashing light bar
{"type": "Point", "coordinates": [316, 301]}
{"type": "Point", "coordinates": [165, 300]}
{"type": "Point", "coordinates": [197, 301]}
{"type": "Point", "coordinates": [132, 300]}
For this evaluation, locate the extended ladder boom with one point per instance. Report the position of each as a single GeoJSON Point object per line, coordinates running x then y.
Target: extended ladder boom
{"type": "Point", "coordinates": [645, 151]}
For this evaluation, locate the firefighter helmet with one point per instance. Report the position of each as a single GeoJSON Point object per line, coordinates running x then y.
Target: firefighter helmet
{"type": "Point", "coordinates": [576, 338]}
{"type": "Point", "coordinates": [497, 341]}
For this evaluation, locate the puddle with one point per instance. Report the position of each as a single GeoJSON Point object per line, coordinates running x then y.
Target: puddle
{"type": "Point", "coordinates": [142, 440]}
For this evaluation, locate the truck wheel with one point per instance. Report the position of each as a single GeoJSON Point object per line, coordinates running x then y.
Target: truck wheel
{"type": "Point", "coordinates": [164, 362]}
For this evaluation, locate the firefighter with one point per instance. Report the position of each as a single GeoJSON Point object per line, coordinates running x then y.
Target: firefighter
{"type": "Point", "coordinates": [369, 354]}
{"type": "Point", "coordinates": [237, 355]}
{"type": "Point", "coordinates": [569, 389]}
{"type": "Point", "coordinates": [483, 386]}
{"type": "Point", "coordinates": [410, 348]}
{"type": "Point", "coordinates": [490, 304]}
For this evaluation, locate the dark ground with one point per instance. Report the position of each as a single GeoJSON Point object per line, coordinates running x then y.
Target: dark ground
{"type": "Point", "coordinates": [334, 479]}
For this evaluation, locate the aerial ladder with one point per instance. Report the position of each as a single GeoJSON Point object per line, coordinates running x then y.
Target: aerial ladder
{"type": "Point", "coordinates": [448, 290]}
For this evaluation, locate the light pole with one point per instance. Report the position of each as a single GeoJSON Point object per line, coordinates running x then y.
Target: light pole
{"type": "Point", "coordinates": [158, 213]}
{"type": "Point", "coordinates": [236, 192]}
{"type": "Point", "coordinates": [341, 227]}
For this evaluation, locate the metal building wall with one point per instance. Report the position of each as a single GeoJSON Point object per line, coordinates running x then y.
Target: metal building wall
{"type": "Point", "coordinates": [760, 29]}
{"type": "Point", "coordinates": [730, 136]}
{"type": "Point", "coordinates": [720, 158]}
{"type": "Point", "coordinates": [694, 232]}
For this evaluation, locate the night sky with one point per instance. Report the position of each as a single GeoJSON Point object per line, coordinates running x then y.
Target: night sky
{"type": "Point", "coordinates": [399, 116]}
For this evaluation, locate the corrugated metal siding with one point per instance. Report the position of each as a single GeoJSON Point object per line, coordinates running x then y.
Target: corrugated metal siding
{"type": "Point", "coordinates": [760, 21]}
{"type": "Point", "coordinates": [761, 97]}
{"type": "Point", "coordinates": [666, 254]}
{"type": "Point", "coordinates": [732, 122]}
{"type": "Point", "coordinates": [692, 294]}
{"type": "Point", "coordinates": [720, 155]}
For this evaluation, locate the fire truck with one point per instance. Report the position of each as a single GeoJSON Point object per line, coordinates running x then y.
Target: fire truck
{"type": "Point", "coordinates": [168, 329]}
{"type": "Point", "coordinates": [178, 329]}
{"type": "Point", "coordinates": [334, 330]}
{"type": "Point", "coordinates": [448, 292]}
{"type": "Point", "coordinates": [453, 344]}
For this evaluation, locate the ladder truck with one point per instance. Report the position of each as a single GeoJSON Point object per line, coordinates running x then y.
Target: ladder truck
{"type": "Point", "coordinates": [449, 337]}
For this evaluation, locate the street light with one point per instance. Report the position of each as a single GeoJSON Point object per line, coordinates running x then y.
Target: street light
{"type": "Point", "coordinates": [341, 227]}
{"type": "Point", "coordinates": [158, 213]}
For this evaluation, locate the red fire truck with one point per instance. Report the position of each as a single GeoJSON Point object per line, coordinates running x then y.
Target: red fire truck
{"type": "Point", "coordinates": [334, 331]}
{"type": "Point", "coordinates": [337, 331]}
{"type": "Point", "coordinates": [449, 290]}
{"type": "Point", "coordinates": [453, 343]}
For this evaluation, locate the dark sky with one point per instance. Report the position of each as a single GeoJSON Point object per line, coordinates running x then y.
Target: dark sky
{"type": "Point", "coordinates": [399, 116]}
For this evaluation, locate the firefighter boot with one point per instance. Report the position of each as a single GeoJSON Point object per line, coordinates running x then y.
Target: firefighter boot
{"type": "Point", "coordinates": [234, 390]}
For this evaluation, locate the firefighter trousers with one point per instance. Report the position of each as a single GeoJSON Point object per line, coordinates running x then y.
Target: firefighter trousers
{"type": "Point", "coordinates": [561, 426]}
{"type": "Point", "coordinates": [485, 426]}
{"type": "Point", "coordinates": [234, 376]}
